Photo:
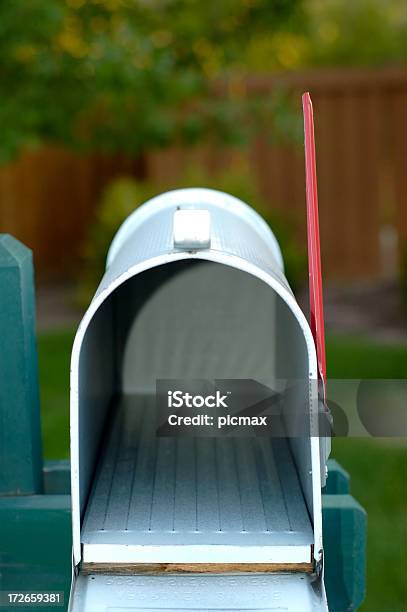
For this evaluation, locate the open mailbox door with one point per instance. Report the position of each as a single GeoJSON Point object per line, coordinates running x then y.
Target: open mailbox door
{"type": "Point", "coordinates": [194, 290]}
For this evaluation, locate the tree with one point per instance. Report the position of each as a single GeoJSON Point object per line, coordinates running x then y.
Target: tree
{"type": "Point", "coordinates": [123, 75]}
{"type": "Point", "coordinates": [363, 33]}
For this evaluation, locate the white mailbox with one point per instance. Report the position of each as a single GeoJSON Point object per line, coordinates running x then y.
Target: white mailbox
{"type": "Point", "coordinates": [194, 289]}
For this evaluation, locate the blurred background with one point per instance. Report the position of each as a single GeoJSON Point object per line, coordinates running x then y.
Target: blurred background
{"type": "Point", "coordinates": [104, 103]}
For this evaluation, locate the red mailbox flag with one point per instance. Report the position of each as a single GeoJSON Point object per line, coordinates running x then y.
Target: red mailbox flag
{"type": "Point", "coordinates": [314, 252]}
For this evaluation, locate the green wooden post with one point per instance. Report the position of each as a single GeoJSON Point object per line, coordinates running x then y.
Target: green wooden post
{"type": "Point", "coordinates": [338, 481]}
{"type": "Point", "coordinates": [345, 528]}
{"type": "Point", "coordinates": [20, 431]}
{"type": "Point", "coordinates": [36, 545]}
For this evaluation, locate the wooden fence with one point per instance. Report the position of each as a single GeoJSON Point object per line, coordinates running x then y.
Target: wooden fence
{"type": "Point", "coordinates": [48, 198]}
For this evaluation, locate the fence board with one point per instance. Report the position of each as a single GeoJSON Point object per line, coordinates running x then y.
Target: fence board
{"type": "Point", "coordinates": [399, 134]}
{"type": "Point", "coordinates": [47, 200]}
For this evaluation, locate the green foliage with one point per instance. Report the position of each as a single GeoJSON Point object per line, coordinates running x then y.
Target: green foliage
{"type": "Point", "coordinates": [334, 33]}
{"type": "Point", "coordinates": [123, 196]}
{"type": "Point", "coordinates": [126, 75]}
{"type": "Point", "coordinates": [121, 75]}
{"type": "Point", "coordinates": [365, 33]}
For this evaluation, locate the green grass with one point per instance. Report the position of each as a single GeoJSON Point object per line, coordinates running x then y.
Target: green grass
{"type": "Point", "coordinates": [358, 358]}
{"type": "Point", "coordinates": [378, 468]}
{"type": "Point", "coordinates": [54, 353]}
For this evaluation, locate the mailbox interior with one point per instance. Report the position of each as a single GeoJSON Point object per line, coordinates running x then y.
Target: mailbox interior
{"type": "Point", "coordinates": [146, 499]}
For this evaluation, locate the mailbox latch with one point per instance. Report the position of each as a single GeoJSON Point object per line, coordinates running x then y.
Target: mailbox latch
{"type": "Point", "coordinates": [192, 229]}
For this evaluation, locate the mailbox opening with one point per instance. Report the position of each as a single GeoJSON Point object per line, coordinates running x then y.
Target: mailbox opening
{"type": "Point", "coordinates": [143, 499]}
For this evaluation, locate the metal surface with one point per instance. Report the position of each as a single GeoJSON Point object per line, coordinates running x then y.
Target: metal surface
{"type": "Point", "coordinates": [222, 204]}
{"type": "Point", "coordinates": [184, 500]}
{"type": "Point", "coordinates": [109, 339]}
{"type": "Point", "coordinates": [289, 592]}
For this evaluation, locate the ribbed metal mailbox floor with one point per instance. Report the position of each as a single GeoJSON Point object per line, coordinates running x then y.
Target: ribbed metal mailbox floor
{"type": "Point", "coordinates": [266, 593]}
{"type": "Point", "coordinates": [177, 499]}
